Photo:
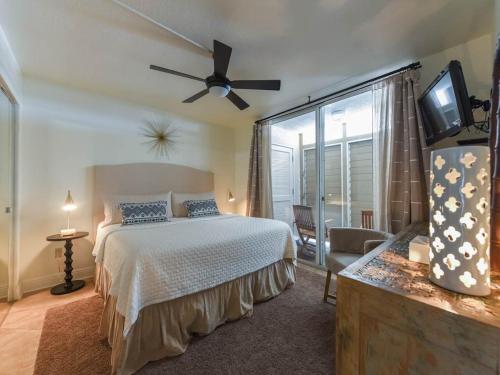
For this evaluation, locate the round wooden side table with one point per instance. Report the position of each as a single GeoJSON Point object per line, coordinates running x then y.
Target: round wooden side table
{"type": "Point", "coordinates": [69, 285]}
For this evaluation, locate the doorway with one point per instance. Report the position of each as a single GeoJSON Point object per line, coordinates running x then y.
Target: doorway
{"type": "Point", "coordinates": [7, 134]}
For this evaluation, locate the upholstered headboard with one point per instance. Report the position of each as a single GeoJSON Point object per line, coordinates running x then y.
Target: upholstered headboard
{"type": "Point", "coordinates": [146, 178]}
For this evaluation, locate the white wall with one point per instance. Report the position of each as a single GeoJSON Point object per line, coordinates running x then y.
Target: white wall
{"type": "Point", "coordinates": [63, 134]}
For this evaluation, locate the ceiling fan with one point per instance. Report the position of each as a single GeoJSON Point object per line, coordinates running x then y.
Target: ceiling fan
{"type": "Point", "coordinates": [218, 84]}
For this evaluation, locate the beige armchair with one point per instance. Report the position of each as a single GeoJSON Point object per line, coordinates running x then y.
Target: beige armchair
{"type": "Point", "coordinates": [347, 245]}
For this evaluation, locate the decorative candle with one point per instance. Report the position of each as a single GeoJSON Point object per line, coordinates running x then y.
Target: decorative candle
{"type": "Point", "coordinates": [459, 226]}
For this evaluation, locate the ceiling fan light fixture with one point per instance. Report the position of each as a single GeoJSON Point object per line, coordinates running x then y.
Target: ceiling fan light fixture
{"type": "Point", "coordinates": [219, 90]}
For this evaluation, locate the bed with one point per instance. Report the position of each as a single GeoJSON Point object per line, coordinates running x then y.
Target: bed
{"type": "Point", "coordinates": [164, 282]}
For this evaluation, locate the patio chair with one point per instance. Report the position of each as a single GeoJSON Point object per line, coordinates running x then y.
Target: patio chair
{"type": "Point", "coordinates": [304, 222]}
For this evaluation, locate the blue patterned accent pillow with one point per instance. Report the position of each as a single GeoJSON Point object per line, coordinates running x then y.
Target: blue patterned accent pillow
{"type": "Point", "coordinates": [145, 212]}
{"type": "Point", "coordinates": [200, 208]}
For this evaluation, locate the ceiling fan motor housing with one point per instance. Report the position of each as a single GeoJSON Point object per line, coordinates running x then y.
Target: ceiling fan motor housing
{"type": "Point", "coordinates": [218, 86]}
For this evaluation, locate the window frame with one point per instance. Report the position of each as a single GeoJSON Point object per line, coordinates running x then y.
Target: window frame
{"type": "Point", "coordinates": [348, 160]}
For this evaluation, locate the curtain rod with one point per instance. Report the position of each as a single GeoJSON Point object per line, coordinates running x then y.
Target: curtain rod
{"type": "Point", "coordinates": [412, 66]}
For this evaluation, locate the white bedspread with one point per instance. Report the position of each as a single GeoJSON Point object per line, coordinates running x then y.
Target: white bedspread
{"type": "Point", "coordinates": [153, 263]}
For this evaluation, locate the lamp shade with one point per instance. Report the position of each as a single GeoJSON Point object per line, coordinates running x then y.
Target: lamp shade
{"type": "Point", "coordinates": [459, 226]}
{"type": "Point", "coordinates": [219, 90]}
{"type": "Point", "coordinates": [69, 204]}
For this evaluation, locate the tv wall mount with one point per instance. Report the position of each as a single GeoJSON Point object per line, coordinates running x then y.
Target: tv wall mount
{"type": "Point", "coordinates": [485, 105]}
{"type": "Point", "coordinates": [477, 103]}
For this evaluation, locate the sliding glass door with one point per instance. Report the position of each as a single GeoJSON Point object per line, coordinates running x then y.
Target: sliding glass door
{"type": "Point", "coordinates": [322, 171]}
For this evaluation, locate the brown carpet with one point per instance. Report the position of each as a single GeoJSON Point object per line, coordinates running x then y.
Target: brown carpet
{"type": "Point", "coordinates": [293, 333]}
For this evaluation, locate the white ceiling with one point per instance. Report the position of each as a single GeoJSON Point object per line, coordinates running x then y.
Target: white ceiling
{"type": "Point", "coordinates": [98, 46]}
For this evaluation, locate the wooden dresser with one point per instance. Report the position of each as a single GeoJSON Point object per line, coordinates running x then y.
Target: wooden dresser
{"type": "Point", "coordinates": [392, 320]}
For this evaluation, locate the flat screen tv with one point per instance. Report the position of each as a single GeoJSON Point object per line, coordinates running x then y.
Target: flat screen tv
{"type": "Point", "coordinates": [445, 105]}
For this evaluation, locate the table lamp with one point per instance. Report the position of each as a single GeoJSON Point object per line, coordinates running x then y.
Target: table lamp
{"type": "Point", "coordinates": [459, 219]}
{"type": "Point", "coordinates": [69, 205]}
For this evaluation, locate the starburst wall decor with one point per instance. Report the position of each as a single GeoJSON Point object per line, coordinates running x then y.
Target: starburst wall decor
{"type": "Point", "coordinates": [160, 137]}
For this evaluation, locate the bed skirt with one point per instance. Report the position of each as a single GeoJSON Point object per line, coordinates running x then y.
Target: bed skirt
{"type": "Point", "coordinates": [165, 329]}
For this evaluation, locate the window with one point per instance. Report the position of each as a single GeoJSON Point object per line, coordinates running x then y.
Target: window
{"type": "Point", "coordinates": [348, 165]}
{"type": "Point", "coordinates": [360, 184]}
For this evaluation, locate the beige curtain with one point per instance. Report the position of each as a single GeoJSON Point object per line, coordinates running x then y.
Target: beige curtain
{"type": "Point", "coordinates": [259, 192]}
{"type": "Point", "coordinates": [401, 158]}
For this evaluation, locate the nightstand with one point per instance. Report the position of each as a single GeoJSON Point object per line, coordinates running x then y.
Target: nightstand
{"type": "Point", "coordinates": [68, 286]}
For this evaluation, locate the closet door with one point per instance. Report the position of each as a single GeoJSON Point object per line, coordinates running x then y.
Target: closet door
{"type": "Point", "coordinates": [6, 190]}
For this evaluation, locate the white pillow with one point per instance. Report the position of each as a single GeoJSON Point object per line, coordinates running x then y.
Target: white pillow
{"type": "Point", "coordinates": [113, 214]}
{"type": "Point", "coordinates": [178, 200]}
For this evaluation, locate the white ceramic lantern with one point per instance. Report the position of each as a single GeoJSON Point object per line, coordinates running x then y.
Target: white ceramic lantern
{"type": "Point", "coordinates": [459, 226]}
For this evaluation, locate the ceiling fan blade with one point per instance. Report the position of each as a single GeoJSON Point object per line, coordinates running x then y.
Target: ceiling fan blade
{"type": "Point", "coordinates": [196, 96]}
{"type": "Point", "coordinates": [222, 55]}
{"type": "Point", "coordinates": [174, 72]}
{"type": "Point", "coordinates": [237, 101]}
{"type": "Point", "coordinates": [274, 84]}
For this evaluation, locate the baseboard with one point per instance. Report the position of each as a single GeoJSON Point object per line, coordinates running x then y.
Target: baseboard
{"type": "Point", "coordinates": [3, 291]}
{"type": "Point", "coordinates": [47, 281]}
